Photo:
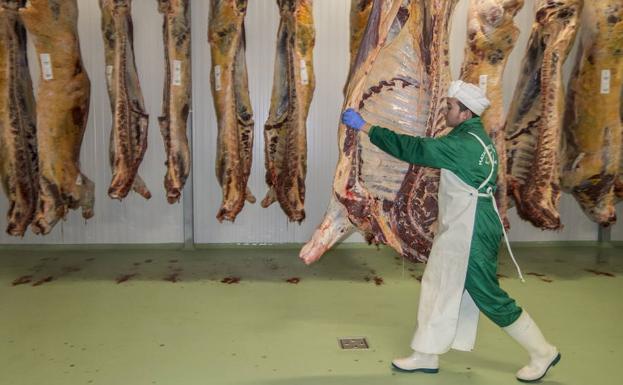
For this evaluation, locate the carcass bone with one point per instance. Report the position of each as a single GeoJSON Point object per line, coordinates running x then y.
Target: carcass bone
{"type": "Point", "coordinates": [593, 127]}
{"type": "Point", "coordinates": [177, 94]}
{"type": "Point", "coordinates": [533, 127]}
{"type": "Point", "coordinates": [230, 91]}
{"type": "Point", "coordinates": [128, 138]}
{"type": "Point", "coordinates": [491, 36]}
{"type": "Point", "coordinates": [285, 136]}
{"type": "Point", "coordinates": [62, 111]}
{"type": "Point", "coordinates": [398, 81]}
{"type": "Point", "coordinates": [18, 141]}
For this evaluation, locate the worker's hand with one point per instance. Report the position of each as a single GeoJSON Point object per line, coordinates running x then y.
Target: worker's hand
{"type": "Point", "coordinates": [352, 119]}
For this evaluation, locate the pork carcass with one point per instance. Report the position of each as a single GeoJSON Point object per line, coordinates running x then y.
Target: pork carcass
{"type": "Point", "coordinates": [62, 111]}
{"type": "Point", "coordinates": [285, 131]}
{"type": "Point", "coordinates": [593, 118]}
{"type": "Point", "coordinates": [128, 137]}
{"type": "Point", "coordinates": [177, 95]}
{"type": "Point", "coordinates": [491, 36]}
{"type": "Point", "coordinates": [18, 141]}
{"type": "Point", "coordinates": [398, 81]}
{"type": "Point", "coordinates": [230, 91]}
{"type": "Point", "coordinates": [533, 127]}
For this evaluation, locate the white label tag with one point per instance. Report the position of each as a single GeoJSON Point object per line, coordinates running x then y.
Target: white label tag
{"type": "Point", "coordinates": [482, 82]}
{"type": "Point", "coordinates": [109, 70]}
{"type": "Point", "coordinates": [217, 77]}
{"type": "Point", "coordinates": [46, 66]}
{"type": "Point", "coordinates": [79, 180]}
{"type": "Point", "coordinates": [605, 82]}
{"type": "Point", "coordinates": [304, 75]}
{"type": "Point", "coordinates": [177, 73]}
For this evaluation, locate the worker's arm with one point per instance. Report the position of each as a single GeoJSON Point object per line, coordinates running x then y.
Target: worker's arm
{"type": "Point", "coordinates": [431, 152]}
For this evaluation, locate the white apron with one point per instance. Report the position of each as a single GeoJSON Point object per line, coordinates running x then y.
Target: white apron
{"type": "Point", "coordinates": [447, 315]}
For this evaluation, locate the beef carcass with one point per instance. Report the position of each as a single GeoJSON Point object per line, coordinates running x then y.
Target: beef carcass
{"type": "Point", "coordinates": [62, 111]}
{"type": "Point", "coordinates": [593, 127]}
{"type": "Point", "coordinates": [230, 91]}
{"type": "Point", "coordinates": [177, 94]}
{"type": "Point", "coordinates": [533, 127]}
{"type": "Point", "coordinates": [285, 131]}
{"type": "Point", "coordinates": [128, 138]}
{"type": "Point", "coordinates": [491, 36]}
{"type": "Point", "coordinates": [398, 81]}
{"type": "Point", "coordinates": [18, 141]}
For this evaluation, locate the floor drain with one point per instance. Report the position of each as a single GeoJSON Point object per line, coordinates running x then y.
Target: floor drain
{"type": "Point", "coordinates": [354, 343]}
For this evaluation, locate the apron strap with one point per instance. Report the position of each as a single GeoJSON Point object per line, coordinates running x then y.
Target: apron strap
{"type": "Point", "coordinates": [489, 193]}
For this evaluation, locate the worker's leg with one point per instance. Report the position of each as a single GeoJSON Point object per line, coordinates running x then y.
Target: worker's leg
{"type": "Point", "coordinates": [483, 286]}
{"type": "Point", "coordinates": [482, 282]}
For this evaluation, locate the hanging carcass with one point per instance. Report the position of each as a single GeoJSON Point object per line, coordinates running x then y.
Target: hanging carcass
{"type": "Point", "coordinates": [398, 81]}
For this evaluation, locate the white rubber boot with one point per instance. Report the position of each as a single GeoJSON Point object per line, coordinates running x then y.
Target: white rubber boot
{"type": "Point", "coordinates": [418, 362]}
{"type": "Point", "coordinates": [542, 355]}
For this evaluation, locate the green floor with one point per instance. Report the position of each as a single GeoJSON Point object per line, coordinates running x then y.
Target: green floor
{"type": "Point", "coordinates": [165, 317]}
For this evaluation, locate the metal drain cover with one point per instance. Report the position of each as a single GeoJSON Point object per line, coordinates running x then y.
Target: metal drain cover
{"type": "Point", "coordinates": [353, 343]}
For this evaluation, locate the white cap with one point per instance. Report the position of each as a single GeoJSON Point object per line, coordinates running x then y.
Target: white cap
{"type": "Point", "coordinates": [470, 95]}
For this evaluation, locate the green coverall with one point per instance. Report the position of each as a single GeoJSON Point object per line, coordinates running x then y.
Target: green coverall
{"type": "Point", "coordinates": [462, 154]}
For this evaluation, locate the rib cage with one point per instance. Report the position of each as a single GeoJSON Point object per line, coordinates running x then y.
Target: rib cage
{"type": "Point", "coordinates": [128, 139]}
{"type": "Point", "coordinates": [285, 133]}
{"type": "Point", "coordinates": [230, 90]}
{"type": "Point", "coordinates": [533, 127]}
{"type": "Point", "coordinates": [402, 61]}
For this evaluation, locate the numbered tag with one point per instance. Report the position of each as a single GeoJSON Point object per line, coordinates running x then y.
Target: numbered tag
{"type": "Point", "coordinates": [46, 66]}
{"type": "Point", "coordinates": [217, 78]}
{"type": "Point", "coordinates": [304, 75]}
{"type": "Point", "coordinates": [482, 82]}
{"type": "Point", "coordinates": [177, 73]}
{"type": "Point", "coordinates": [109, 70]}
{"type": "Point", "coordinates": [605, 82]}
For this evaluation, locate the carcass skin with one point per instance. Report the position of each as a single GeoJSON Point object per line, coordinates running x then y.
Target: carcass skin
{"type": "Point", "coordinates": [128, 138]}
{"type": "Point", "coordinates": [491, 36]}
{"type": "Point", "coordinates": [230, 91]}
{"type": "Point", "coordinates": [533, 127]}
{"type": "Point", "coordinates": [177, 95]}
{"type": "Point", "coordinates": [593, 117]}
{"type": "Point", "coordinates": [18, 141]}
{"type": "Point", "coordinates": [398, 81]}
{"type": "Point", "coordinates": [62, 112]}
{"type": "Point", "coordinates": [285, 131]}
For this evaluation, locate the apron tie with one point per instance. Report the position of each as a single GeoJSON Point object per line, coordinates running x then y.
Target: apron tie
{"type": "Point", "coordinates": [508, 245]}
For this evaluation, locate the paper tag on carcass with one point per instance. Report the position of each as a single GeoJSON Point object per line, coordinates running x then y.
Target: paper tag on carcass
{"type": "Point", "coordinates": [605, 82]}
{"type": "Point", "coordinates": [304, 75]}
{"type": "Point", "coordinates": [177, 73]}
{"type": "Point", "coordinates": [217, 77]}
{"type": "Point", "coordinates": [482, 82]}
{"type": "Point", "coordinates": [109, 70]}
{"type": "Point", "coordinates": [46, 66]}
{"type": "Point", "coordinates": [79, 180]}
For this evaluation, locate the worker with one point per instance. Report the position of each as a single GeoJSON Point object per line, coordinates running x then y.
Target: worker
{"type": "Point", "coordinates": [460, 276]}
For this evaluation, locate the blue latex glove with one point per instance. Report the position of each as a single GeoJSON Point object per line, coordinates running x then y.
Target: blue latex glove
{"type": "Point", "coordinates": [352, 119]}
